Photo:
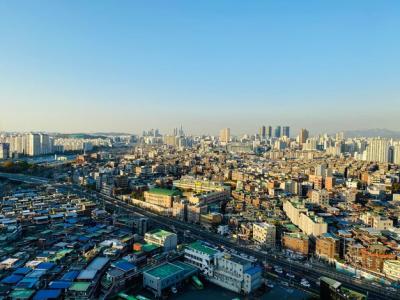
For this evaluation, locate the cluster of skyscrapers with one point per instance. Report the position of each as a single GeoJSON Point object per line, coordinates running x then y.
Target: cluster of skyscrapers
{"type": "Point", "coordinates": [277, 132]}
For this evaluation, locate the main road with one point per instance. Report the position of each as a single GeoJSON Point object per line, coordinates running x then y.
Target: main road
{"type": "Point", "coordinates": [24, 178]}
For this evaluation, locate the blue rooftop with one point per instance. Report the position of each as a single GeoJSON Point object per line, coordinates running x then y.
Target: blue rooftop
{"type": "Point", "coordinates": [253, 270]}
{"type": "Point", "coordinates": [60, 284]}
{"type": "Point", "coordinates": [12, 279]}
{"type": "Point", "coordinates": [72, 220]}
{"type": "Point", "coordinates": [45, 266]}
{"type": "Point", "coordinates": [70, 276]}
{"type": "Point", "coordinates": [28, 282]}
{"type": "Point", "coordinates": [47, 294]}
{"type": "Point", "coordinates": [22, 271]}
{"type": "Point", "coordinates": [83, 239]}
{"type": "Point", "coordinates": [37, 273]}
{"type": "Point", "coordinates": [124, 265]}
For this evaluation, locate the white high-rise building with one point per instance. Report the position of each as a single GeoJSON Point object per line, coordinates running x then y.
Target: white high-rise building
{"type": "Point", "coordinates": [45, 144]}
{"type": "Point", "coordinates": [17, 144]}
{"type": "Point", "coordinates": [378, 150]}
{"type": "Point", "coordinates": [33, 144]}
{"type": "Point", "coordinates": [396, 154]}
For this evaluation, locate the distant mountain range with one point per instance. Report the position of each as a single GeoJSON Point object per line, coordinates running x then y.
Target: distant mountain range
{"type": "Point", "coordinates": [377, 132]}
{"type": "Point", "coordinates": [90, 135]}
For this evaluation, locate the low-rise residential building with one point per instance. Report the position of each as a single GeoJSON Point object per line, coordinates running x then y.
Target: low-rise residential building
{"type": "Point", "coordinates": [373, 257]}
{"type": "Point", "coordinates": [296, 242]}
{"type": "Point", "coordinates": [376, 221]}
{"type": "Point", "coordinates": [265, 234]}
{"type": "Point", "coordinates": [328, 247]}
{"type": "Point", "coordinates": [391, 269]}
{"type": "Point", "coordinates": [320, 197]}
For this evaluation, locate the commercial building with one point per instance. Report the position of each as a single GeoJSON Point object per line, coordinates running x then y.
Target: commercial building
{"type": "Point", "coordinates": [225, 135]}
{"type": "Point", "coordinates": [162, 238]}
{"type": "Point", "coordinates": [263, 132]}
{"type": "Point", "coordinates": [167, 275]}
{"type": "Point", "coordinates": [303, 136]}
{"type": "Point", "coordinates": [265, 234]}
{"type": "Point", "coordinates": [162, 197]}
{"type": "Point", "coordinates": [237, 273]}
{"type": "Point", "coordinates": [278, 131]}
{"type": "Point", "coordinates": [286, 131]}
{"type": "Point", "coordinates": [202, 256]}
{"type": "Point", "coordinates": [269, 131]}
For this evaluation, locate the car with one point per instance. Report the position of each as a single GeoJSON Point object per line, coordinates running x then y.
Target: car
{"type": "Point", "coordinates": [375, 284]}
{"type": "Point", "coordinates": [290, 275]}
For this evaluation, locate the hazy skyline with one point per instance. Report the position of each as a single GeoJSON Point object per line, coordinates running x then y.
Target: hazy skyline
{"type": "Point", "coordinates": [73, 66]}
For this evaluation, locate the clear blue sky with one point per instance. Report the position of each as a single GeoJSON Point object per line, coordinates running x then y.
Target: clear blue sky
{"type": "Point", "coordinates": [130, 65]}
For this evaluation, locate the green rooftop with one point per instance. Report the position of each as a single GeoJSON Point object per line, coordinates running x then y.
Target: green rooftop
{"type": "Point", "coordinates": [353, 295]}
{"type": "Point", "coordinates": [22, 294]}
{"type": "Point", "coordinates": [198, 246]}
{"type": "Point", "coordinates": [291, 227]}
{"type": "Point", "coordinates": [149, 247]}
{"type": "Point", "coordinates": [79, 286]}
{"type": "Point", "coordinates": [185, 266]}
{"type": "Point", "coordinates": [159, 233]}
{"type": "Point", "coordinates": [164, 270]}
{"type": "Point", "coordinates": [165, 192]}
{"type": "Point", "coordinates": [329, 281]}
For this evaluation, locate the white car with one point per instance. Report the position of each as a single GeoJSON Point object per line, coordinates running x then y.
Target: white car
{"type": "Point", "coordinates": [290, 275]}
{"type": "Point", "coordinates": [305, 283]}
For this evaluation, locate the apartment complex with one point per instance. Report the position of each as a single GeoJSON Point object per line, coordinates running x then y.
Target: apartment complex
{"type": "Point", "coordinates": [306, 220]}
